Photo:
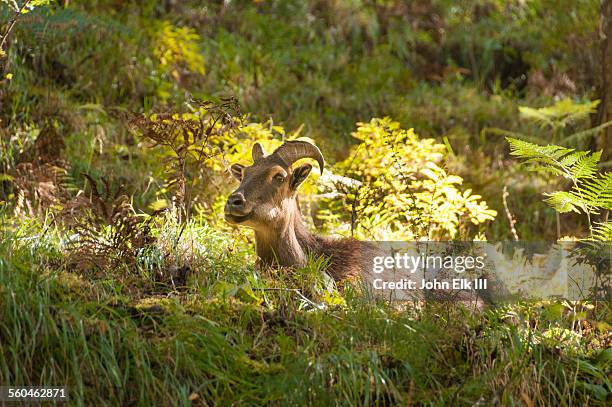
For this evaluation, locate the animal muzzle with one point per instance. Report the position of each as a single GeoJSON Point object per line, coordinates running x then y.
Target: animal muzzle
{"type": "Point", "coordinates": [236, 208]}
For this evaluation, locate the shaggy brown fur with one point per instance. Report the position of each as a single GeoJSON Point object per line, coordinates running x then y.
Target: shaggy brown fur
{"type": "Point", "coordinates": [349, 259]}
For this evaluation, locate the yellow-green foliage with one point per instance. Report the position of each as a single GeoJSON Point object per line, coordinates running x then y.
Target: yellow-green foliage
{"type": "Point", "coordinates": [404, 192]}
{"type": "Point", "coordinates": [560, 114]}
{"type": "Point", "coordinates": [201, 147]}
{"type": "Point", "coordinates": [236, 146]}
{"type": "Point", "coordinates": [178, 45]}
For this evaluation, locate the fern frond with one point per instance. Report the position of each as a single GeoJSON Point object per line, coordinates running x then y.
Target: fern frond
{"type": "Point", "coordinates": [556, 160]}
{"type": "Point", "coordinates": [571, 159]}
{"type": "Point", "coordinates": [602, 231]}
{"type": "Point", "coordinates": [543, 159]}
{"type": "Point", "coordinates": [585, 165]}
{"type": "Point", "coordinates": [591, 191]}
{"type": "Point", "coordinates": [527, 150]}
{"type": "Point", "coordinates": [563, 112]}
{"type": "Point", "coordinates": [563, 202]}
{"type": "Point", "coordinates": [589, 196]}
{"type": "Point", "coordinates": [598, 191]}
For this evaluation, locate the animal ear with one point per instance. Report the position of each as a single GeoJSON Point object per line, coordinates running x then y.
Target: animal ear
{"type": "Point", "coordinates": [257, 152]}
{"type": "Point", "coordinates": [299, 175]}
{"type": "Point", "coordinates": [236, 170]}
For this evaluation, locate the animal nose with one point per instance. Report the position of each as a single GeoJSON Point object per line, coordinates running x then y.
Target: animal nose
{"type": "Point", "coordinates": [236, 200]}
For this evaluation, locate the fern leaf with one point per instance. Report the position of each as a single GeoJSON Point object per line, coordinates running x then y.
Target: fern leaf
{"type": "Point", "coordinates": [525, 149]}
{"type": "Point", "coordinates": [556, 160]}
{"type": "Point", "coordinates": [545, 159]}
{"type": "Point", "coordinates": [598, 191]}
{"type": "Point", "coordinates": [543, 167]}
{"type": "Point", "coordinates": [603, 231]}
{"type": "Point", "coordinates": [563, 202]}
{"type": "Point", "coordinates": [585, 165]}
{"type": "Point", "coordinates": [571, 159]}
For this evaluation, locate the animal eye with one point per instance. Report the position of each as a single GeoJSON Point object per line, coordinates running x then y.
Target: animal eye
{"type": "Point", "coordinates": [279, 178]}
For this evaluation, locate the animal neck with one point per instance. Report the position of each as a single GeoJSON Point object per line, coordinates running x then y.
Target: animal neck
{"type": "Point", "coordinates": [286, 242]}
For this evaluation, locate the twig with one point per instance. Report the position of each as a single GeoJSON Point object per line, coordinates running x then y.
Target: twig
{"type": "Point", "coordinates": [511, 219]}
{"type": "Point", "coordinates": [353, 212]}
{"type": "Point", "coordinates": [12, 23]}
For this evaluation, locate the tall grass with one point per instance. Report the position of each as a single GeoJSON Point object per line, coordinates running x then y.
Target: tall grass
{"type": "Point", "coordinates": [116, 346]}
{"type": "Point", "coordinates": [233, 334]}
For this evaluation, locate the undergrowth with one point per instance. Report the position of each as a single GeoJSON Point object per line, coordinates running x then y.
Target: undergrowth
{"type": "Point", "coordinates": [247, 336]}
{"type": "Point", "coordinates": [119, 279]}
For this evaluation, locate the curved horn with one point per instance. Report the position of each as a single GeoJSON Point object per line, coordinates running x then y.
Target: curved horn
{"type": "Point", "coordinates": [257, 152]}
{"type": "Point", "coordinates": [293, 150]}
